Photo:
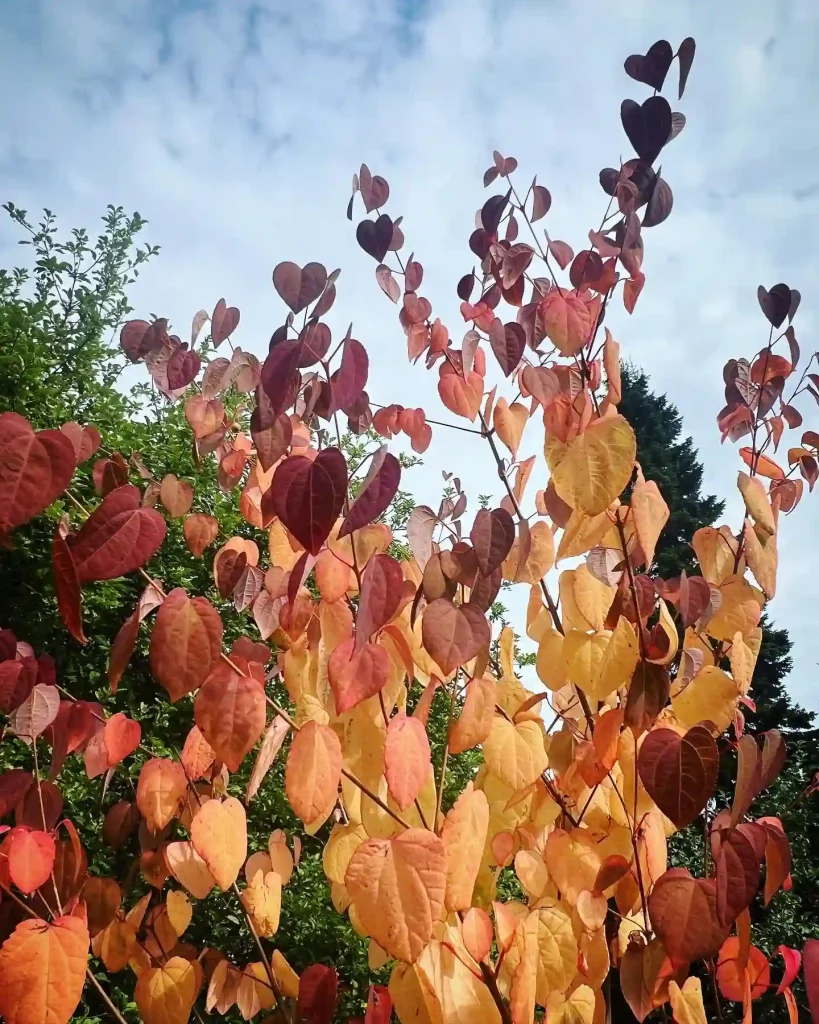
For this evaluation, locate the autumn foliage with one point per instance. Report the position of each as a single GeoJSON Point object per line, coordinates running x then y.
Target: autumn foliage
{"type": "Point", "coordinates": [589, 765]}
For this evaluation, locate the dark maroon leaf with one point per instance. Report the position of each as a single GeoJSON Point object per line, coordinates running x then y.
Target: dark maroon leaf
{"type": "Point", "coordinates": [376, 492]}
{"type": "Point", "coordinates": [138, 338]}
{"type": "Point", "coordinates": [485, 589]}
{"type": "Point", "coordinates": [737, 875]}
{"type": "Point", "coordinates": [586, 268]}
{"type": "Point", "coordinates": [413, 276]}
{"type": "Point", "coordinates": [465, 286]}
{"type": "Point", "coordinates": [308, 496]}
{"type": "Point", "coordinates": [479, 242]}
{"type": "Point", "coordinates": [679, 772]}
{"type": "Point", "coordinates": [350, 378]}
{"type": "Point", "coordinates": [382, 591]}
{"type": "Point", "coordinates": [280, 374]}
{"type": "Point", "coordinates": [775, 304]}
{"type": "Point", "coordinates": [224, 322]}
{"type": "Point", "coordinates": [183, 366]}
{"type": "Point", "coordinates": [659, 205]}
{"type": "Point", "coordinates": [647, 126]}
{"type": "Point", "coordinates": [14, 784]}
{"type": "Point", "coordinates": [119, 536]}
{"type": "Point", "coordinates": [685, 55]}
{"type": "Point", "coordinates": [508, 342]}
{"type": "Point", "coordinates": [375, 237]}
{"type": "Point", "coordinates": [299, 287]}
{"type": "Point", "coordinates": [492, 211]}
{"type": "Point", "coordinates": [315, 340]}
{"type": "Point", "coordinates": [652, 68]}
{"type": "Point", "coordinates": [796, 298]}
{"type": "Point", "coordinates": [271, 437]}
{"type": "Point", "coordinates": [492, 536]}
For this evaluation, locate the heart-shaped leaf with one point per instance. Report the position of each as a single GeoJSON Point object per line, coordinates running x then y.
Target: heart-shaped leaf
{"type": "Point", "coordinates": [684, 915]}
{"type": "Point", "coordinates": [313, 772]}
{"type": "Point", "coordinates": [685, 55]}
{"type": "Point", "coordinates": [280, 375]}
{"type": "Point", "coordinates": [230, 713]}
{"type": "Point", "coordinates": [508, 342]}
{"type": "Point", "coordinates": [679, 772]}
{"type": "Point", "coordinates": [453, 634]}
{"type": "Point", "coordinates": [183, 366]}
{"type": "Point", "coordinates": [377, 491]}
{"type": "Point", "coordinates": [355, 676]}
{"type": "Point", "coordinates": [652, 68]}
{"type": "Point", "coordinates": [648, 126]}
{"type": "Point", "coordinates": [375, 237]}
{"type": "Point", "coordinates": [382, 584]}
{"type": "Point", "coordinates": [350, 378]}
{"type": "Point", "coordinates": [219, 836]}
{"type": "Point", "coordinates": [186, 643]}
{"type": "Point", "coordinates": [318, 991]}
{"type": "Point", "coordinates": [34, 469]}
{"type": "Point", "coordinates": [223, 323]}
{"type": "Point", "coordinates": [118, 537]}
{"type": "Point", "coordinates": [775, 304]}
{"type": "Point", "coordinates": [492, 536]}
{"type": "Point", "coordinates": [308, 496]}
{"type": "Point", "coordinates": [299, 287]}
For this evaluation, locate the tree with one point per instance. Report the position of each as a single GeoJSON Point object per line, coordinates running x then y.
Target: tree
{"type": "Point", "coordinates": [547, 872]}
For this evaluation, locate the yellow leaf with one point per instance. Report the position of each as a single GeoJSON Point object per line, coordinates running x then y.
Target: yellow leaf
{"type": "Point", "coordinates": [281, 859]}
{"type": "Point", "coordinates": [179, 910]}
{"type": "Point", "coordinates": [408, 997]}
{"type": "Point", "coordinates": [686, 1002]}
{"type": "Point", "coordinates": [716, 552]}
{"type": "Point", "coordinates": [550, 664]}
{"type": "Point", "coordinates": [343, 842]}
{"type": "Point", "coordinates": [578, 1008]}
{"type": "Point", "coordinates": [189, 869]}
{"type": "Point", "coordinates": [762, 559]}
{"type": "Point", "coordinates": [477, 714]}
{"type": "Point", "coordinates": [515, 753]}
{"type": "Point", "coordinates": [743, 654]}
{"type": "Point", "coordinates": [740, 611]}
{"type": "Point", "coordinates": [582, 533]}
{"type": "Point", "coordinates": [285, 975]}
{"type": "Point", "coordinates": [620, 659]}
{"type": "Point", "coordinates": [524, 976]}
{"type": "Point", "coordinates": [397, 886]}
{"type": "Point", "coordinates": [757, 502]}
{"type": "Point", "coordinates": [263, 901]}
{"type": "Point", "coordinates": [462, 997]}
{"type": "Point", "coordinates": [376, 956]}
{"type": "Point", "coordinates": [573, 860]}
{"type": "Point", "coordinates": [166, 994]}
{"type": "Point", "coordinates": [584, 654]}
{"type": "Point", "coordinates": [532, 874]}
{"type": "Point", "coordinates": [591, 470]}
{"type": "Point", "coordinates": [464, 837]}
{"type": "Point", "coordinates": [509, 422]}
{"type": "Point", "coordinates": [539, 558]}
{"type": "Point", "coordinates": [219, 836]}
{"type": "Point", "coordinates": [711, 696]}
{"type": "Point", "coordinates": [592, 597]}
{"type": "Point", "coordinates": [650, 514]}
{"type": "Point", "coordinates": [667, 625]}
{"type": "Point", "coordinates": [255, 993]}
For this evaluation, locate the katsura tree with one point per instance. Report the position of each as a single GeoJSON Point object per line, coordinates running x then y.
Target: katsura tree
{"type": "Point", "coordinates": [549, 871]}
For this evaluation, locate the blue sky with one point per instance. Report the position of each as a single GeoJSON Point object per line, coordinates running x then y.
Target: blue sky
{"type": "Point", "coordinates": [235, 129]}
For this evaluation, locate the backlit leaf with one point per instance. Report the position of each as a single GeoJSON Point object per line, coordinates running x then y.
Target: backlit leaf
{"type": "Point", "coordinates": [34, 469]}
{"type": "Point", "coordinates": [166, 994]}
{"type": "Point", "coordinates": [397, 887]}
{"type": "Point", "coordinates": [464, 836]}
{"type": "Point", "coordinates": [42, 971]}
{"type": "Point", "coordinates": [200, 531]}
{"type": "Point", "coordinates": [679, 772]}
{"type": "Point", "coordinates": [515, 753]}
{"type": "Point", "coordinates": [219, 836]}
{"type": "Point", "coordinates": [118, 537]}
{"type": "Point", "coordinates": [590, 471]}
{"type": "Point", "coordinates": [406, 759]}
{"type": "Point", "coordinates": [452, 634]}
{"type": "Point", "coordinates": [313, 772]}
{"type": "Point", "coordinates": [477, 715]}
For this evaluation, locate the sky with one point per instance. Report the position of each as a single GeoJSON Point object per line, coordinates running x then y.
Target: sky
{"type": "Point", "coordinates": [235, 128]}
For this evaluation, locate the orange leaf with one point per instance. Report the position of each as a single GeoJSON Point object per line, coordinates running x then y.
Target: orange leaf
{"type": "Point", "coordinates": [764, 466]}
{"type": "Point", "coordinates": [176, 495]}
{"type": "Point", "coordinates": [230, 712]}
{"type": "Point", "coordinates": [566, 320]}
{"type": "Point", "coordinates": [166, 994]}
{"type": "Point", "coordinates": [478, 933]}
{"type": "Point", "coordinates": [189, 869]}
{"type": "Point", "coordinates": [397, 887]}
{"type": "Point", "coordinates": [200, 531]}
{"type": "Point", "coordinates": [477, 715]}
{"type": "Point", "coordinates": [268, 752]}
{"type": "Point", "coordinates": [509, 422]}
{"type": "Point", "coordinates": [460, 395]}
{"type": "Point", "coordinates": [120, 737]}
{"type": "Point", "coordinates": [464, 837]}
{"type": "Point", "coordinates": [161, 789]}
{"type": "Point", "coordinates": [42, 971]}
{"type": "Point", "coordinates": [313, 772]}
{"type": "Point", "coordinates": [186, 643]}
{"type": "Point", "coordinates": [219, 836]}
{"type": "Point", "coordinates": [406, 759]}
{"type": "Point", "coordinates": [197, 755]}
{"type": "Point", "coordinates": [30, 858]}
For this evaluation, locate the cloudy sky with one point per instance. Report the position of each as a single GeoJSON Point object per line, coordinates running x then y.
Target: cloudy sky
{"type": "Point", "coordinates": [235, 127]}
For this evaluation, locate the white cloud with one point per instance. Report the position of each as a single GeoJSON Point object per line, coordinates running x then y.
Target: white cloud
{"type": "Point", "coordinates": [235, 128]}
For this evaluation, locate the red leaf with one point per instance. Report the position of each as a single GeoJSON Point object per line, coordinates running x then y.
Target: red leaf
{"type": "Point", "coordinates": [631, 290]}
{"type": "Point", "coordinates": [118, 537]}
{"type": "Point", "coordinates": [30, 858]}
{"type": "Point", "coordinates": [299, 287]}
{"type": "Point", "coordinates": [34, 469]}
{"type": "Point", "coordinates": [737, 876]}
{"type": "Point", "coordinates": [280, 373]}
{"type": "Point", "coordinates": [492, 536]}
{"type": "Point", "coordinates": [356, 676]}
{"type": "Point", "coordinates": [17, 680]}
{"type": "Point", "coordinates": [200, 531]}
{"type": "Point", "coordinates": [308, 496]}
{"type": "Point", "coordinates": [406, 759]}
{"type": "Point", "coordinates": [379, 1005]}
{"type": "Point", "coordinates": [186, 643]}
{"type": "Point", "coordinates": [224, 322]}
{"type": "Point", "coordinates": [679, 772]}
{"type": "Point", "coordinates": [14, 785]}
{"type": "Point", "coordinates": [683, 913]}
{"type": "Point", "coordinates": [183, 367]}
{"type": "Point", "coordinates": [67, 586]}
{"type": "Point", "coordinates": [793, 961]}
{"type": "Point", "coordinates": [86, 440]}
{"type": "Point", "coordinates": [810, 967]}
{"type": "Point", "coordinates": [508, 342]}
{"type": "Point", "coordinates": [453, 635]}
{"type": "Point", "coordinates": [350, 378]}
{"type": "Point", "coordinates": [382, 591]}
{"type": "Point", "coordinates": [318, 987]}
{"type": "Point", "coordinates": [377, 491]}
{"type": "Point", "coordinates": [541, 202]}
{"type": "Point", "coordinates": [230, 714]}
